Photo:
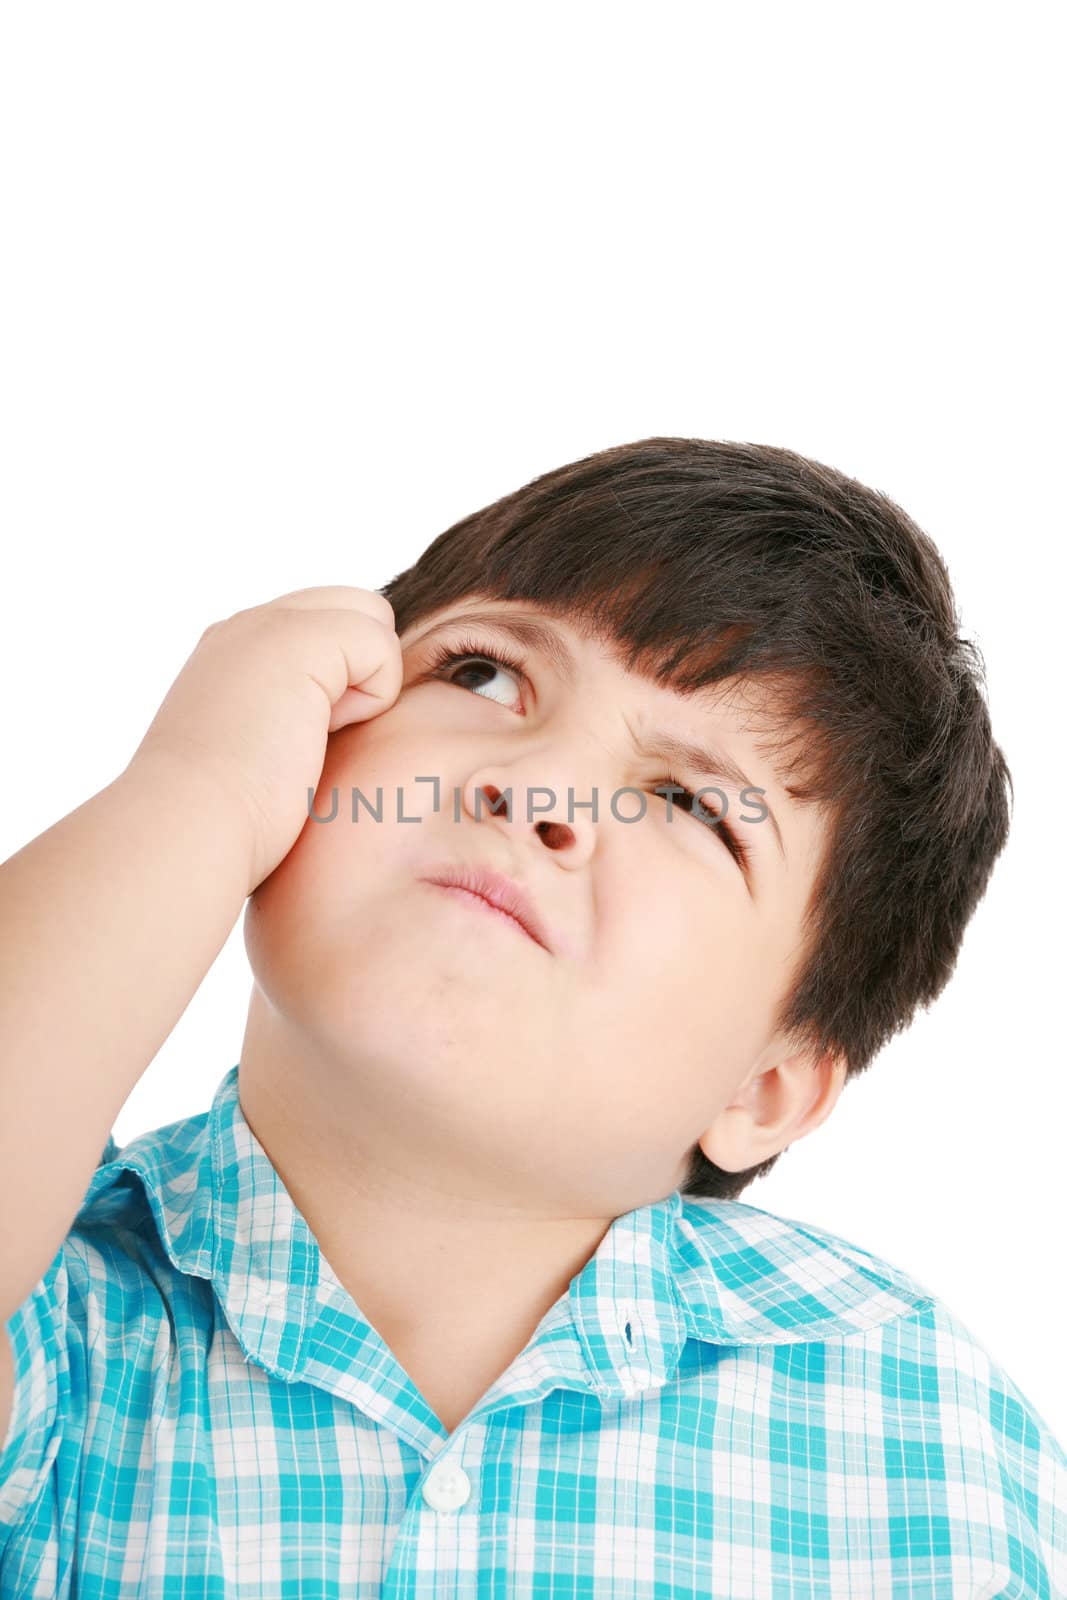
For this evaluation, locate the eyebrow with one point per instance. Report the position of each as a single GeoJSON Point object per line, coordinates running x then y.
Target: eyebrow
{"type": "Point", "coordinates": [709, 762]}
{"type": "Point", "coordinates": [706, 760]}
{"type": "Point", "coordinates": [527, 631]}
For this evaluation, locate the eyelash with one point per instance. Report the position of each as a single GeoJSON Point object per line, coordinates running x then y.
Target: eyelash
{"type": "Point", "coordinates": [445, 656]}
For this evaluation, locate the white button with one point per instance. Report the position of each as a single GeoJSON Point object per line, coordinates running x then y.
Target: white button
{"type": "Point", "coordinates": [447, 1487]}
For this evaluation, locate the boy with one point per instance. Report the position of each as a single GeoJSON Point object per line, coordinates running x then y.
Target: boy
{"type": "Point", "coordinates": [586, 863]}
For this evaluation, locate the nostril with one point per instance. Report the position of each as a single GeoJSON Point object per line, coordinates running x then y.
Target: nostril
{"type": "Point", "coordinates": [555, 834]}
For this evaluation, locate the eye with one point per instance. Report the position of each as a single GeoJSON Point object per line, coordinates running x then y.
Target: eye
{"type": "Point", "coordinates": [737, 847]}
{"type": "Point", "coordinates": [469, 655]}
{"type": "Point", "coordinates": [448, 660]}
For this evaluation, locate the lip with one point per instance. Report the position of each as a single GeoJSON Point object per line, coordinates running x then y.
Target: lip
{"type": "Point", "coordinates": [498, 890]}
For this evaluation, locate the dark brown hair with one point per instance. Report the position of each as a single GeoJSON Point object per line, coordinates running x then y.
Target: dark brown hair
{"type": "Point", "coordinates": [745, 565]}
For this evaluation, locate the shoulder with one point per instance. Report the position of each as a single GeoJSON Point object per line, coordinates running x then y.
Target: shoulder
{"type": "Point", "coordinates": [854, 1357]}
{"type": "Point", "coordinates": [98, 1332]}
{"type": "Point", "coordinates": [958, 1443]}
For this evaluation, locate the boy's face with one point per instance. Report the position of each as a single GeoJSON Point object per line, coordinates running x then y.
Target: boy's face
{"type": "Point", "coordinates": [436, 1033]}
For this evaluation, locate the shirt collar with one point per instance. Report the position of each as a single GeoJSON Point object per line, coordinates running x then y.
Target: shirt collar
{"type": "Point", "coordinates": [717, 1271]}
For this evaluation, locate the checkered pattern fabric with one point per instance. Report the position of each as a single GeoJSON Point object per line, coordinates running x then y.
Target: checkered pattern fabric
{"type": "Point", "coordinates": [724, 1403]}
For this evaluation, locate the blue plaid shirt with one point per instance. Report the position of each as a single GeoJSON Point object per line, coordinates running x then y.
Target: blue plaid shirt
{"type": "Point", "coordinates": [725, 1403]}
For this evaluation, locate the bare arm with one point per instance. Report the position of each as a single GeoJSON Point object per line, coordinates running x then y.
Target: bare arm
{"type": "Point", "coordinates": [111, 918]}
{"type": "Point", "coordinates": [109, 922]}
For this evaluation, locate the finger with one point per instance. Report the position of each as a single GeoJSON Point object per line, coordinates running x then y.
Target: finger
{"type": "Point", "coordinates": [354, 706]}
{"type": "Point", "coordinates": [370, 660]}
{"type": "Point", "coordinates": [339, 597]}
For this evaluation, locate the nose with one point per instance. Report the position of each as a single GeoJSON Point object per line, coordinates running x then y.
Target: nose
{"type": "Point", "coordinates": [552, 806]}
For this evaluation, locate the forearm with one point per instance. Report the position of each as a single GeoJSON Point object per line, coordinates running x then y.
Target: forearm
{"type": "Point", "coordinates": [109, 922]}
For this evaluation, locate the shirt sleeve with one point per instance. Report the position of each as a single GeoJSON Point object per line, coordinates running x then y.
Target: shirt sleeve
{"type": "Point", "coordinates": [40, 1455]}
{"type": "Point", "coordinates": [46, 1363]}
{"type": "Point", "coordinates": [1000, 1460]}
{"type": "Point", "coordinates": [1032, 1470]}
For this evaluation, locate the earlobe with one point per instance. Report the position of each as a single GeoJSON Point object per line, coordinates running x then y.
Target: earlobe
{"type": "Point", "coordinates": [743, 1132]}
{"type": "Point", "coordinates": [772, 1109]}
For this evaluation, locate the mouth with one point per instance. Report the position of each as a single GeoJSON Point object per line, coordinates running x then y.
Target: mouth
{"type": "Point", "coordinates": [492, 892]}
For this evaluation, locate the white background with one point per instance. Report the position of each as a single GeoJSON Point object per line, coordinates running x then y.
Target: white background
{"type": "Point", "coordinates": [287, 291]}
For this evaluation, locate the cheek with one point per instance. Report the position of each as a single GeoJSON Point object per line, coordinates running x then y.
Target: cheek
{"type": "Point", "coordinates": [686, 964]}
{"type": "Point", "coordinates": [306, 889]}
{"type": "Point", "coordinates": [337, 862]}
{"type": "Point", "coordinates": [386, 753]}
{"type": "Point", "coordinates": [305, 920]}
{"type": "Point", "coordinates": [340, 766]}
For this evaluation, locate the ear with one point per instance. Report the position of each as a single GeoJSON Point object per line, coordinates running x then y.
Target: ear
{"type": "Point", "coordinates": [773, 1107]}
